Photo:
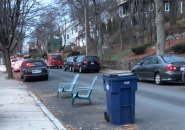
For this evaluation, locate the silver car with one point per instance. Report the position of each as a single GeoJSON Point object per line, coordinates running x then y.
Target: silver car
{"type": "Point", "coordinates": [160, 68]}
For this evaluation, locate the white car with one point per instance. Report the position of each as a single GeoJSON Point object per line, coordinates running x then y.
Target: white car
{"type": "Point", "coordinates": [17, 65]}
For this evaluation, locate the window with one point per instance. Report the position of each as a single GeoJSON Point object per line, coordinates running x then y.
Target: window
{"type": "Point", "coordinates": [121, 11]}
{"type": "Point", "coordinates": [147, 61]}
{"type": "Point", "coordinates": [173, 59]}
{"type": "Point", "coordinates": [181, 7]}
{"type": "Point", "coordinates": [56, 57]}
{"type": "Point", "coordinates": [154, 60]}
{"type": "Point", "coordinates": [167, 6]}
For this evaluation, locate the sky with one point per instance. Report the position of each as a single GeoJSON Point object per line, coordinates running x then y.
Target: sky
{"type": "Point", "coordinates": [44, 3]}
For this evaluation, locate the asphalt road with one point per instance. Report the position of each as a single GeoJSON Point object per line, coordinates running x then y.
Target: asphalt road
{"type": "Point", "coordinates": [157, 107]}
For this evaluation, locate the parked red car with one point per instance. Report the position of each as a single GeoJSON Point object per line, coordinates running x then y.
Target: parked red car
{"type": "Point", "coordinates": [55, 60]}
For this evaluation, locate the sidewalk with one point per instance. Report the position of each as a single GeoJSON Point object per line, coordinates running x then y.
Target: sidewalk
{"type": "Point", "coordinates": [21, 110]}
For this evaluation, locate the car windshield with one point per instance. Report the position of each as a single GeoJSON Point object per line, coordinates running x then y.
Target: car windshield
{"type": "Point", "coordinates": [173, 59]}
{"type": "Point", "coordinates": [56, 57]}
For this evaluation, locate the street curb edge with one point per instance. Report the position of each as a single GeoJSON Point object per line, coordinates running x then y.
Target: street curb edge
{"type": "Point", "coordinates": [51, 117]}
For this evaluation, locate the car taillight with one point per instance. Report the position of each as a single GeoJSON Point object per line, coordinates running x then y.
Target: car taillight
{"type": "Point", "coordinates": [29, 65]}
{"type": "Point", "coordinates": [98, 61]}
{"type": "Point", "coordinates": [85, 62]}
{"type": "Point", "coordinates": [171, 67]}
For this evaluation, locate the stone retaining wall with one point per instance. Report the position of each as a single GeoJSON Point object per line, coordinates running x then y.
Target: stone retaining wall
{"type": "Point", "coordinates": [119, 65]}
{"type": "Point", "coordinates": [127, 65]}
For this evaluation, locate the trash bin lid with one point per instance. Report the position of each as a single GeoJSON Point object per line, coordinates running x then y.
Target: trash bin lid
{"type": "Point", "coordinates": [119, 74]}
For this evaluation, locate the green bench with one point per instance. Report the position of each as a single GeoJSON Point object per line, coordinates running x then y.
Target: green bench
{"type": "Point", "coordinates": [67, 87]}
{"type": "Point", "coordinates": [84, 92]}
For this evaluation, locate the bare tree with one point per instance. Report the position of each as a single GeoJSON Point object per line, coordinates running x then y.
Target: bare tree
{"type": "Point", "coordinates": [159, 8]}
{"type": "Point", "coordinates": [13, 16]}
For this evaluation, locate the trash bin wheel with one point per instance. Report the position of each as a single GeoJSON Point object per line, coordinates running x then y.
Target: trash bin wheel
{"type": "Point", "coordinates": [106, 116]}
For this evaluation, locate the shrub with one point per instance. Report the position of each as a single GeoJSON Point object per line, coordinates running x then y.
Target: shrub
{"type": "Point", "coordinates": [74, 53]}
{"type": "Point", "coordinates": [179, 48]}
{"type": "Point", "coordinates": [139, 50]}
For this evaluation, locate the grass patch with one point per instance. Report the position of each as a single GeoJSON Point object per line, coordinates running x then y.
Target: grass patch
{"type": "Point", "coordinates": [119, 55]}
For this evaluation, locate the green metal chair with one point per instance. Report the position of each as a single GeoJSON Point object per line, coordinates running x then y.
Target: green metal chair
{"type": "Point", "coordinates": [67, 87]}
{"type": "Point", "coordinates": [84, 92]}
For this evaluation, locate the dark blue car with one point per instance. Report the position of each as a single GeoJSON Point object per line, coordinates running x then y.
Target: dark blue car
{"type": "Point", "coordinates": [68, 65]}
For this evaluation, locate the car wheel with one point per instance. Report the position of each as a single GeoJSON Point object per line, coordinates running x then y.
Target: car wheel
{"type": "Point", "coordinates": [106, 116]}
{"type": "Point", "coordinates": [70, 68]}
{"type": "Point", "coordinates": [64, 68]}
{"type": "Point", "coordinates": [80, 70]}
{"type": "Point", "coordinates": [73, 69]}
{"type": "Point", "coordinates": [24, 78]}
{"type": "Point", "coordinates": [138, 78]}
{"type": "Point", "coordinates": [46, 78]}
{"type": "Point", "coordinates": [97, 71]}
{"type": "Point", "coordinates": [158, 79]}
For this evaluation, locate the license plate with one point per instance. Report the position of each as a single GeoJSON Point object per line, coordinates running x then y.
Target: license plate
{"type": "Point", "coordinates": [92, 63]}
{"type": "Point", "coordinates": [36, 71]}
{"type": "Point", "coordinates": [182, 68]}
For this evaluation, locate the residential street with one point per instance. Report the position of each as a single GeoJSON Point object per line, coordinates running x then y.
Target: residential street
{"type": "Point", "coordinates": [157, 107]}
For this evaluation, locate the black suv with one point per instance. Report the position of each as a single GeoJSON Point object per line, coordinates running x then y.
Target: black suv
{"type": "Point", "coordinates": [69, 63]}
{"type": "Point", "coordinates": [86, 63]}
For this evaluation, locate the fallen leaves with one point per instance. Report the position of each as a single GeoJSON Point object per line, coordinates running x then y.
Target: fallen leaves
{"type": "Point", "coordinates": [128, 127]}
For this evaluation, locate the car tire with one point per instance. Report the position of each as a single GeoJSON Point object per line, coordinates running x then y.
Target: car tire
{"type": "Point", "coordinates": [157, 79]}
{"type": "Point", "coordinates": [134, 73]}
{"type": "Point", "coordinates": [70, 69]}
{"type": "Point", "coordinates": [73, 69]}
{"type": "Point", "coordinates": [46, 78]}
{"type": "Point", "coordinates": [80, 70]}
{"type": "Point", "coordinates": [97, 71]}
{"type": "Point", "coordinates": [106, 116]}
{"type": "Point", "coordinates": [24, 79]}
{"type": "Point", "coordinates": [64, 68]}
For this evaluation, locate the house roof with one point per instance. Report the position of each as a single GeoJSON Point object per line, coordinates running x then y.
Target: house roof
{"type": "Point", "coordinates": [120, 2]}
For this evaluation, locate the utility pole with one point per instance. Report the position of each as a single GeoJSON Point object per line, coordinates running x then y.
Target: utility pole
{"type": "Point", "coordinates": [85, 3]}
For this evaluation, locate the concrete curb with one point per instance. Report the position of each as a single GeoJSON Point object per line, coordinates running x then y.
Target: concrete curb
{"type": "Point", "coordinates": [51, 117]}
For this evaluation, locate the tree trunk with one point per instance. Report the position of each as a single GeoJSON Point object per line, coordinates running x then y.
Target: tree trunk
{"type": "Point", "coordinates": [8, 64]}
{"type": "Point", "coordinates": [99, 31]}
{"type": "Point", "coordinates": [174, 10]}
{"type": "Point", "coordinates": [121, 33]}
{"type": "Point", "coordinates": [100, 43]}
{"type": "Point", "coordinates": [87, 30]}
{"type": "Point", "coordinates": [159, 21]}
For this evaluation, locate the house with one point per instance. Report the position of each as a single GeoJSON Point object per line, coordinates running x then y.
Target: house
{"type": "Point", "coordinates": [125, 7]}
